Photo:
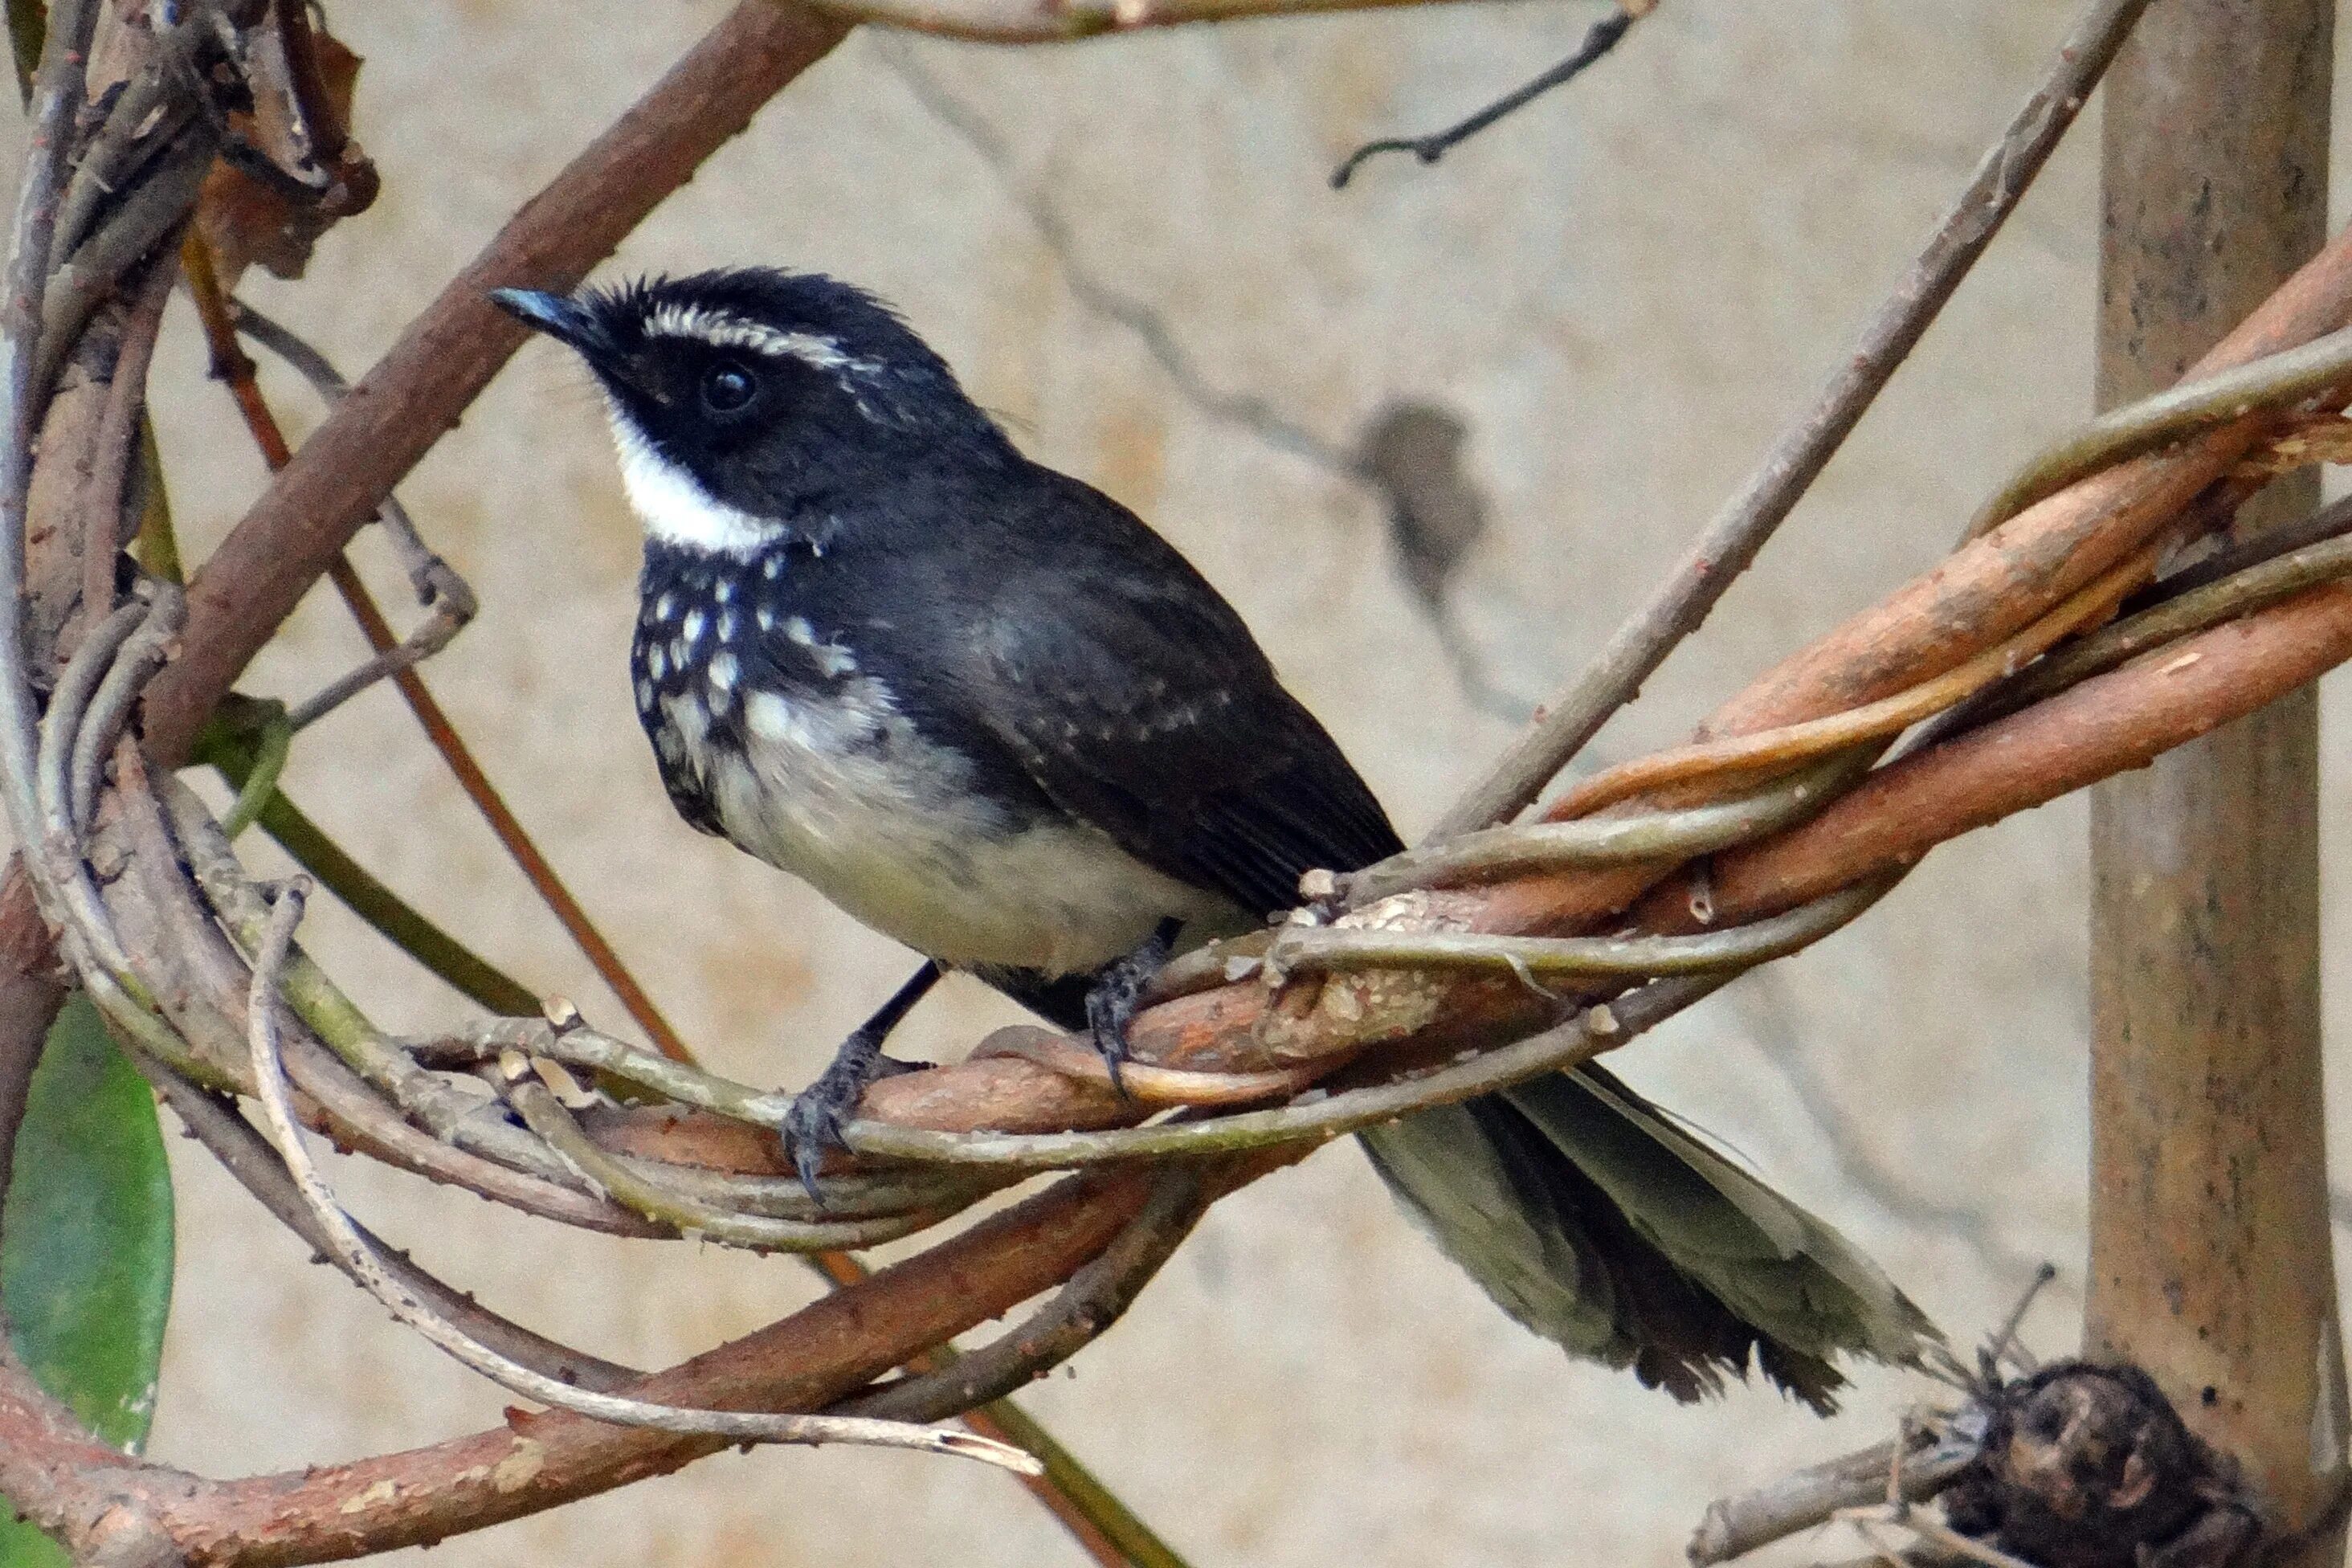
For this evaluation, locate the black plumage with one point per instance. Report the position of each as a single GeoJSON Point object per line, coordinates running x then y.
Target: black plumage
{"type": "Point", "coordinates": [982, 706]}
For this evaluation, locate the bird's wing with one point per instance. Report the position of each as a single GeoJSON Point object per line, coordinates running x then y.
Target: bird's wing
{"type": "Point", "coordinates": [1134, 697]}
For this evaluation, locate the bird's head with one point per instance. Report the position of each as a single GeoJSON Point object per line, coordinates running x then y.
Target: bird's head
{"type": "Point", "coordinates": [748, 403]}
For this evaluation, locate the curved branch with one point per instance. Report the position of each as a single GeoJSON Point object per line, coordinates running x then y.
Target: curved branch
{"type": "Point", "coordinates": [812, 1358]}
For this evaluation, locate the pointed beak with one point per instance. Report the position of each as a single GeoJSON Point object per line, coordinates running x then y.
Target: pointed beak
{"type": "Point", "coordinates": [565, 320]}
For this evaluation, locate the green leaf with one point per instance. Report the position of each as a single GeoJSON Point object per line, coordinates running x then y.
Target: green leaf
{"type": "Point", "coordinates": [86, 1244]}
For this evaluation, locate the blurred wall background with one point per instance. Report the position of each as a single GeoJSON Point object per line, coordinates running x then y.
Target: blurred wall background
{"type": "Point", "coordinates": [1128, 249]}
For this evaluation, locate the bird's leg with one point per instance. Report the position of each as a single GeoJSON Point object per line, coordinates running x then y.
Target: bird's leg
{"type": "Point", "coordinates": [1118, 986]}
{"type": "Point", "coordinates": [812, 1125]}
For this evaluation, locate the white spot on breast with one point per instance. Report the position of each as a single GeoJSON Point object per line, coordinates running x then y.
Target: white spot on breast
{"type": "Point", "coordinates": [692, 630]}
{"type": "Point", "coordinates": [678, 652]}
{"type": "Point", "coordinates": [725, 592]}
{"type": "Point", "coordinates": [726, 625]}
{"type": "Point", "coordinates": [724, 672]}
{"type": "Point", "coordinates": [771, 567]}
{"type": "Point", "coordinates": [656, 661]}
{"type": "Point", "coordinates": [645, 696]}
{"type": "Point", "coordinates": [767, 619]}
{"type": "Point", "coordinates": [665, 606]}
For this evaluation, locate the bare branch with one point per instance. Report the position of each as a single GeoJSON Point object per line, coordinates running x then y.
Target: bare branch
{"type": "Point", "coordinates": [1923, 1462]}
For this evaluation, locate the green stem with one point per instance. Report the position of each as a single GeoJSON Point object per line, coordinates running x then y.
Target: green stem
{"type": "Point", "coordinates": [1135, 1541]}
{"type": "Point", "coordinates": [272, 746]}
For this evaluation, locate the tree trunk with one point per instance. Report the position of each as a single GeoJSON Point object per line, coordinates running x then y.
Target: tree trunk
{"type": "Point", "coordinates": [2210, 1261]}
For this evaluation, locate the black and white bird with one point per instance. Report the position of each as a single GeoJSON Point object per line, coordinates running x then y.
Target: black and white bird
{"type": "Point", "coordinates": [982, 707]}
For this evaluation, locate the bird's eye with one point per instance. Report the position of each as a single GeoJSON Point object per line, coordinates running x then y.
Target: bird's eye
{"type": "Point", "coordinates": [727, 387]}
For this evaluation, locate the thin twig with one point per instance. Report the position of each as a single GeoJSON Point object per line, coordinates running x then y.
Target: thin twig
{"type": "Point", "coordinates": [360, 1261]}
{"type": "Point", "coordinates": [1313, 948]}
{"type": "Point", "coordinates": [2004, 1342]}
{"type": "Point", "coordinates": [1494, 853]}
{"type": "Point", "coordinates": [117, 430]}
{"type": "Point", "coordinates": [1731, 541]}
{"type": "Point", "coordinates": [1808, 1498]}
{"type": "Point", "coordinates": [1599, 40]}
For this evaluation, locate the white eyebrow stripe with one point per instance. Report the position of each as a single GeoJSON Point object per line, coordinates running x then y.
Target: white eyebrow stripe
{"type": "Point", "coordinates": [724, 329]}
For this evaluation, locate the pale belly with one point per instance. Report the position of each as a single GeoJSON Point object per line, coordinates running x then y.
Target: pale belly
{"type": "Point", "coordinates": [846, 797]}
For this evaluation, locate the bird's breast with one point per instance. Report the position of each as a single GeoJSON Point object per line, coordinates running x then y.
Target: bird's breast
{"type": "Point", "coordinates": [826, 774]}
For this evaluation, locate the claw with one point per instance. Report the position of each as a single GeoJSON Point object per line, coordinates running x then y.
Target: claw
{"type": "Point", "coordinates": [1107, 1022]}
{"type": "Point", "coordinates": [812, 1128]}
{"type": "Point", "coordinates": [1118, 994]}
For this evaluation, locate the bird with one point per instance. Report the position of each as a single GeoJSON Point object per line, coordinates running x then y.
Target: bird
{"type": "Point", "coordinates": [984, 709]}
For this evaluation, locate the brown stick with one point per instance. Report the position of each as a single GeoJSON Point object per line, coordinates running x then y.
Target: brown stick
{"type": "Point", "coordinates": [2106, 726]}
{"type": "Point", "coordinates": [2210, 1263]}
{"type": "Point", "coordinates": [807, 1360]}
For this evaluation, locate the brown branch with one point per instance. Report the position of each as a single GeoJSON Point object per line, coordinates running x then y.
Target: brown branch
{"type": "Point", "coordinates": [1983, 594]}
{"type": "Point", "coordinates": [810, 1360]}
{"type": "Point", "coordinates": [2103, 727]}
{"type": "Point", "coordinates": [1061, 21]}
{"type": "Point", "coordinates": [62, 1479]}
{"type": "Point", "coordinates": [117, 433]}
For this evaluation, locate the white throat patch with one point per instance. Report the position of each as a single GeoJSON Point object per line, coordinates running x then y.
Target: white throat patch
{"type": "Point", "coordinates": [674, 507]}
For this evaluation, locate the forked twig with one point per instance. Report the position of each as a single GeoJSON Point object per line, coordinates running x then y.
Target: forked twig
{"type": "Point", "coordinates": [1599, 40]}
{"type": "Point", "coordinates": [360, 1261]}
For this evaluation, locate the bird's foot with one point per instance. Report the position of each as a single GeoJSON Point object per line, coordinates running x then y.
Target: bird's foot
{"type": "Point", "coordinates": [1118, 994]}
{"type": "Point", "coordinates": [812, 1128]}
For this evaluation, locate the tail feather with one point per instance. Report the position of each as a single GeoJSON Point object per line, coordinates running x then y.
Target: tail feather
{"type": "Point", "coordinates": [1594, 1221]}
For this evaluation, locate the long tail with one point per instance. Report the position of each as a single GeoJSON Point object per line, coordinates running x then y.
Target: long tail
{"type": "Point", "coordinates": [1597, 1223]}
